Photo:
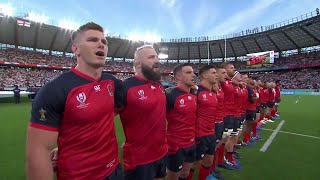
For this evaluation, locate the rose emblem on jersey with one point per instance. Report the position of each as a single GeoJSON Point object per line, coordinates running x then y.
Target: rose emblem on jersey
{"type": "Point", "coordinates": [204, 97]}
{"type": "Point", "coordinates": [182, 103]}
{"type": "Point", "coordinates": [110, 91]}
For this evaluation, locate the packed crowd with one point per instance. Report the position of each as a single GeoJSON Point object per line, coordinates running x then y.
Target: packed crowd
{"type": "Point", "coordinates": [30, 57]}
{"type": "Point", "coordinates": [302, 79]}
{"type": "Point", "coordinates": [25, 77]}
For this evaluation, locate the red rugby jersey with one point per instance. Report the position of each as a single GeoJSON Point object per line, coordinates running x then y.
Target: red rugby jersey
{"type": "Point", "coordinates": [272, 95]}
{"type": "Point", "coordinates": [238, 100]}
{"type": "Point", "coordinates": [278, 93]}
{"type": "Point", "coordinates": [261, 95]}
{"type": "Point", "coordinates": [143, 117]}
{"type": "Point", "coordinates": [181, 117]}
{"type": "Point", "coordinates": [229, 92]}
{"type": "Point", "coordinates": [265, 96]}
{"type": "Point", "coordinates": [244, 100]}
{"type": "Point", "coordinates": [258, 102]}
{"type": "Point", "coordinates": [251, 93]}
{"type": "Point", "coordinates": [207, 107]}
{"type": "Point", "coordinates": [220, 106]}
{"type": "Point", "coordinates": [81, 110]}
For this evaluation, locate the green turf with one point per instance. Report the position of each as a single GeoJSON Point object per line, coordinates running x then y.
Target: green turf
{"type": "Point", "coordinates": [288, 157]}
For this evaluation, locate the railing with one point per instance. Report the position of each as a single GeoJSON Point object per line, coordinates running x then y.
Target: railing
{"type": "Point", "coordinates": [247, 31]}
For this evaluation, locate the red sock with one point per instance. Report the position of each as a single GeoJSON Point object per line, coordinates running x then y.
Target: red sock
{"type": "Point", "coordinates": [246, 137]}
{"type": "Point", "coordinates": [254, 129]}
{"type": "Point", "coordinates": [239, 141]}
{"type": "Point", "coordinates": [229, 156]}
{"type": "Point", "coordinates": [203, 172]}
{"type": "Point", "coordinates": [273, 113]}
{"type": "Point", "coordinates": [261, 117]}
{"type": "Point", "coordinates": [221, 153]}
{"type": "Point", "coordinates": [268, 117]}
{"type": "Point", "coordinates": [214, 162]}
{"type": "Point", "coordinates": [190, 176]}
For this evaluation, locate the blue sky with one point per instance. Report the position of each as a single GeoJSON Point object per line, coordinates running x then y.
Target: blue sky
{"type": "Point", "coordinates": [169, 18]}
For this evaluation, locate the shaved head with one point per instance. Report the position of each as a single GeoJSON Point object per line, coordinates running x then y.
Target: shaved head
{"type": "Point", "coordinates": [146, 63]}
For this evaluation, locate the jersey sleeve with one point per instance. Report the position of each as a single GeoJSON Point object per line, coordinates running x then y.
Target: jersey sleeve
{"type": "Point", "coordinates": [170, 101]}
{"type": "Point", "coordinates": [250, 92]}
{"type": "Point", "coordinates": [120, 97]}
{"type": "Point", "coordinates": [47, 108]}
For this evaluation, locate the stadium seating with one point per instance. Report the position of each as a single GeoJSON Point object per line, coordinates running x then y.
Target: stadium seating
{"type": "Point", "coordinates": [25, 77]}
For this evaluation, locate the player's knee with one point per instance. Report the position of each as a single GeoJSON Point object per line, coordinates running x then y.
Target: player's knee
{"type": "Point", "coordinates": [184, 173]}
{"type": "Point", "coordinates": [207, 161]}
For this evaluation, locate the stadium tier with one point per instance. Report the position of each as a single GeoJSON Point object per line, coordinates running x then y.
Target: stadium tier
{"type": "Point", "coordinates": [32, 55]}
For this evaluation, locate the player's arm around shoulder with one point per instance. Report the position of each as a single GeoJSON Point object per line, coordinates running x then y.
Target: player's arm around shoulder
{"type": "Point", "coordinates": [42, 133]}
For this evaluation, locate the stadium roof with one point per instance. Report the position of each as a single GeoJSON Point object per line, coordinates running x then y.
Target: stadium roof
{"type": "Point", "coordinates": [301, 34]}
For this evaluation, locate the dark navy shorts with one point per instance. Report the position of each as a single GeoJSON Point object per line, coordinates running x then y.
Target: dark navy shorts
{"type": "Point", "coordinates": [219, 128]}
{"type": "Point", "coordinates": [205, 145]}
{"type": "Point", "coordinates": [263, 105]}
{"type": "Point", "coordinates": [243, 118]}
{"type": "Point", "coordinates": [258, 109]}
{"type": "Point", "coordinates": [229, 122]}
{"type": "Point", "coordinates": [176, 159]}
{"type": "Point", "coordinates": [239, 122]}
{"type": "Point", "coordinates": [116, 174]}
{"type": "Point", "coordinates": [156, 169]}
{"type": "Point", "coordinates": [270, 104]}
{"type": "Point", "coordinates": [251, 115]}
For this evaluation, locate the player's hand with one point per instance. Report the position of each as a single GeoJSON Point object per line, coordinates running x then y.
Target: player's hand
{"type": "Point", "coordinates": [54, 159]}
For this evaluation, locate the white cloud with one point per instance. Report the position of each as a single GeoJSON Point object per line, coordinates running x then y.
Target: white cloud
{"type": "Point", "coordinates": [173, 8]}
{"type": "Point", "coordinates": [147, 36]}
{"type": "Point", "coordinates": [169, 3]}
{"type": "Point", "coordinates": [204, 14]}
{"type": "Point", "coordinates": [234, 22]}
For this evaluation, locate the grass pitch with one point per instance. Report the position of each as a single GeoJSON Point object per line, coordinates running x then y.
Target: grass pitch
{"type": "Point", "coordinates": [288, 157]}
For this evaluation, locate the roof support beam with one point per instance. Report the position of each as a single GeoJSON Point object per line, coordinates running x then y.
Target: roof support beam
{"type": "Point", "coordinates": [53, 40]}
{"type": "Point", "coordinates": [275, 45]}
{"type": "Point", "coordinates": [247, 51]}
{"type": "Point", "coordinates": [234, 52]}
{"type": "Point", "coordinates": [310, 34]}
{"type": "Point", "coordinates": [116, 51]}
{"type": "Point", "coordinates": [35, 43]}
{"type": "Point", "coordinates": [290, 39]}
{"type": "Point", "coordinates": [222, 54]}
{"type": "Point", "coordinates": [255, 40]}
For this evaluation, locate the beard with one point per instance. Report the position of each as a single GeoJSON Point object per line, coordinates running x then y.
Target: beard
{"type": "Point", "coordinates": [149, 73]}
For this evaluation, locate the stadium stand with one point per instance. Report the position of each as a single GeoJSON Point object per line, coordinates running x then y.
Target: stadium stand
{"type": "Point", "coordinates": [40, 53]}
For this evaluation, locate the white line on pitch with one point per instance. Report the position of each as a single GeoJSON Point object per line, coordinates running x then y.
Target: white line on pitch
{"type": "Point", "coordinates": [304, 135]}
{"type": "Point", "coordinates": [271, 138]}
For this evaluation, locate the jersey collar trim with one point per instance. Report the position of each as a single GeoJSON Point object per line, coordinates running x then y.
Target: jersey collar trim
{"type": "Point", "coordinates": [74, 70]}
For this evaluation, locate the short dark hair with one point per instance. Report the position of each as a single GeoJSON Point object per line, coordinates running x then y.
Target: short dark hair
{"type": "Point", "coordinates": [205, 68]}
{"type": "Point", "coordinates": [178, 68]}
{"type": "Point", "coordinates": [86, 27]}
{"type": "Point", "coordinates": [224, 65]}
{"type": "Point", "coordinates": [277, 81]}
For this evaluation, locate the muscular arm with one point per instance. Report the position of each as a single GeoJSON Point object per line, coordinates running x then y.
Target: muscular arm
{"type": "Point", "coordinates": [38, 153]}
